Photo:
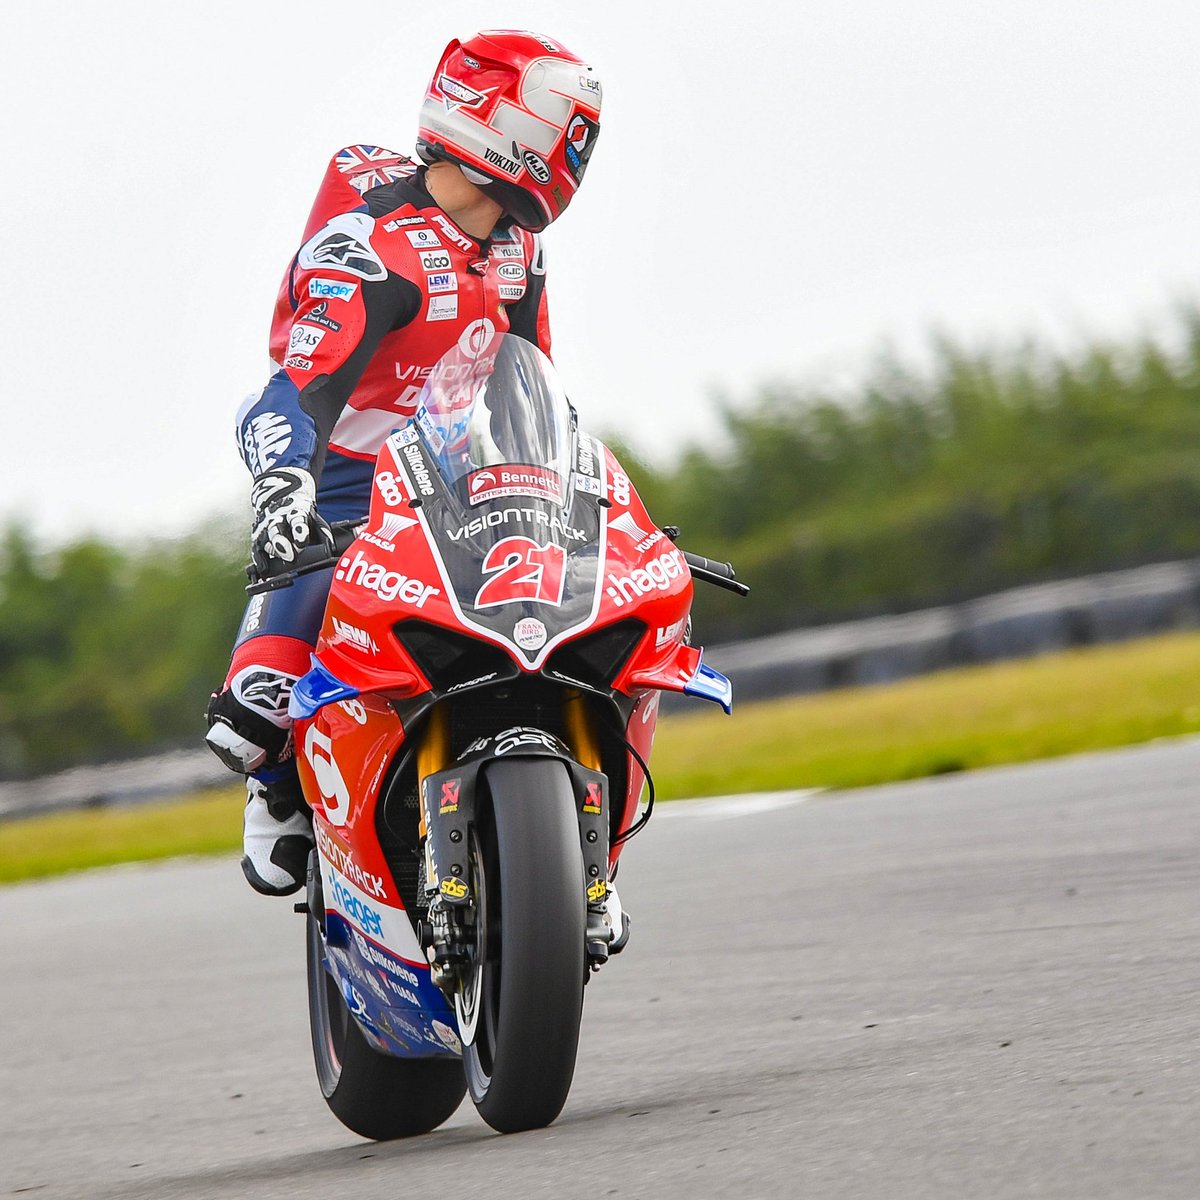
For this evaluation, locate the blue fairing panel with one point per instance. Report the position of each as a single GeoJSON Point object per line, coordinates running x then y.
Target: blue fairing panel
{"type": "Point", "coordinates": [274, 431]}
{"type": "Point", "coordinates": [707, 684]}
{"type": "Point", "coordinates": [318, 688]}
{"type": "Point", "coordinates": [395, 1002]}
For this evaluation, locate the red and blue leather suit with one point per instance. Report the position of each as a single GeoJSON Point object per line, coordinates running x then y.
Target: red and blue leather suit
{"type": "Point", "coordinates": [384, 284]}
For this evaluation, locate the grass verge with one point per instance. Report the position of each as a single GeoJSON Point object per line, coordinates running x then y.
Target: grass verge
{"type": "Point", "coordinates": [954, 721]}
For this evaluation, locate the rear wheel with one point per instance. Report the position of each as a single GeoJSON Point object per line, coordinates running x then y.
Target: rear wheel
{"type": "Point", "coordinates": [374, 1094]}
{"type": "Point", "coordinates": [519, 1011]}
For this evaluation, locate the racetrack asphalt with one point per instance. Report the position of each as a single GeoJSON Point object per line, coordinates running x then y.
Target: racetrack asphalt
{"type": "Point", "coordinates": [982, 985]}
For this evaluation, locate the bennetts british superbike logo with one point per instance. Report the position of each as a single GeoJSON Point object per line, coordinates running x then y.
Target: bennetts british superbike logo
{"type": "Point", "coordinates": [495, 483]}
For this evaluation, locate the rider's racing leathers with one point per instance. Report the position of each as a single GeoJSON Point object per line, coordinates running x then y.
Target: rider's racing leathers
{"type": "Point", "coordinates": [383, 285]}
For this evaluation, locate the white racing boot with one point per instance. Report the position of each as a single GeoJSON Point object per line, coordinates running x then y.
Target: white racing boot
{"type": "Point", "coordinates": [618, 919]}
{"type": "Point", "coordinates": [276, 836]}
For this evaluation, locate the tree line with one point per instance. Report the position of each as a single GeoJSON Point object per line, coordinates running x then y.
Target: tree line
{"type": "Point", "coordinates": [985, 470]}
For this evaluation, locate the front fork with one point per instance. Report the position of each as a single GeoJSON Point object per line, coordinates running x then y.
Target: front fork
{"type": "Point", "coordinates": [448, 801]}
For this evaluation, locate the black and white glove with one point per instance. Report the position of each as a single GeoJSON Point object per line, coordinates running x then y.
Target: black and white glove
{"type": "Point", "coordinates": [286, 521]}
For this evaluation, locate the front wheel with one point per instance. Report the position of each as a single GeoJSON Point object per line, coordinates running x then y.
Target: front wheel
{"type": "Point", "coordinates": [520, 1010]}
{"type": "Point", "coordinates": [374, 1094]}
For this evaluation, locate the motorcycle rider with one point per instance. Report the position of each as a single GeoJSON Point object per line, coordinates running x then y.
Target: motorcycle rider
{"type": "Point", "coordinates": [400, 262]}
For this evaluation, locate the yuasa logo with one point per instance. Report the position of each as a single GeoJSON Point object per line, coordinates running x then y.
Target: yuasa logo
{"type": "Point", "coordinates": [331, 289]}
{"type": "Point", "coordinates": [656, 576]}
{"type": "Point", "coordinates": [390, 527]}
{"type": "Point", "coordinates": [389, 586]}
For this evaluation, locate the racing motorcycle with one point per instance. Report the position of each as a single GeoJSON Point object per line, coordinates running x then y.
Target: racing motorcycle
{"type": "Point", "coordinates": [473, 739]}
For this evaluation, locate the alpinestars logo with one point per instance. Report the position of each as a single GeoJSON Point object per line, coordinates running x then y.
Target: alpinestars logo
{"type": "Point", "coordinates": [264, 439]}
{"type": "Point", "coordinates": [344, 243]}
{"type": "Point", "coordinates": [348, 253]}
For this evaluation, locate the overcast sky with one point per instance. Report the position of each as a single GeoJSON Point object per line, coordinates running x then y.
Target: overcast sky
{"type": "Point", "coordinates": [778, 190]}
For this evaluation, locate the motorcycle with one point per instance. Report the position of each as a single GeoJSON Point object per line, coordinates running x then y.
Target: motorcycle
{"type": "Point", "coordinates": [473, 739]}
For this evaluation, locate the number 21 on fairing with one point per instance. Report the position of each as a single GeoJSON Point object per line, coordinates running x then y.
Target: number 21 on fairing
{"type": "Point", "coordinates": [522, 570]}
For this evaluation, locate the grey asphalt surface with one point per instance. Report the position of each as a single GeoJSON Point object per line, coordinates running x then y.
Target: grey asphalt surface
{"type": "Point", "coordinates": [979, 986]}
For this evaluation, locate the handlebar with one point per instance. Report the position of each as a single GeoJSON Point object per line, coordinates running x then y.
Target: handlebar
{"type": "Point", "coordinates": [720, 574]}
{"type": "Point", "coordinates": [316, 558]}
{"type": "Point", "coordinates": [310, 559]}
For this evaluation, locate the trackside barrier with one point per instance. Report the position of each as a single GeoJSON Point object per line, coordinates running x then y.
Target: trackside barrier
{"type": "Point", "coordinates": [1017, 623]}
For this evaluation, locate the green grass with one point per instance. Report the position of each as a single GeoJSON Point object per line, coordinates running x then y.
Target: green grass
{"type": "Point", "coordinates": [953, 721]}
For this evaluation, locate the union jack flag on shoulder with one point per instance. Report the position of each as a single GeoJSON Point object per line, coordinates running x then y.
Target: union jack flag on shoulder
{"type": "Point", "coordinates": [366, 167]}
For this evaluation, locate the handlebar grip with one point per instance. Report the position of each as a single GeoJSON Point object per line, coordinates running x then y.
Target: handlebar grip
{"type": "Point", "coordinates": [720, 573]}
{"type": "Point", "coordinates": [698, 562]}
{"type": "Point", "coordinates": [310, 559]}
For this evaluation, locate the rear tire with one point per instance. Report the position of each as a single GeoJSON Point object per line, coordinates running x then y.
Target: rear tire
{"type": "Point", "coordinates": [529, 868]}
{"type": "Point", "coordinates": [374, 1094]}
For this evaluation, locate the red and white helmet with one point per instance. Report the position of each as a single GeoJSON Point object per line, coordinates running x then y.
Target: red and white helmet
{"type": "Point", "coordinates": [520, 113]}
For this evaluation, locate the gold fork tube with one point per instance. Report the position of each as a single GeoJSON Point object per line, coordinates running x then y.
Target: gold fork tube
{"type": "Point", "coordinates": [433, 754]}
{"type": "Point", "coordinates": [580, 733]}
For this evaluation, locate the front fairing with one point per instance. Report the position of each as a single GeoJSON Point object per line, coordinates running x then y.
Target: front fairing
{"type": "Point", "coordinates": [508, 494]}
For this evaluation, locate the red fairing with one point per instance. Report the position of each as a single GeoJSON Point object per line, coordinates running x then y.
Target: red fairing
{"type": "Point", "coordinates": [367, 733]}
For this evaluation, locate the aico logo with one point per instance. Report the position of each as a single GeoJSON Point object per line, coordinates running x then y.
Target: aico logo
{"type": "Point", "coordinates": [331, 289]}
{"type": "Point", "coordinates": [420, 471]}
{"type": "Point", "coordinates": [360, 639]}
{"type": "Point", "coordinates": [435, 260]}
{"type": "Point", "coordinates": [387, 585]}
{"type": "Point", "coordinates": [656, 576]}
{"type": "Point", "coordinates": [499, 482]}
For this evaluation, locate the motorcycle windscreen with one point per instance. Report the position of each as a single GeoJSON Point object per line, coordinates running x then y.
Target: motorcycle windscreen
{"type": "Point", "coordinates": [516, 518]}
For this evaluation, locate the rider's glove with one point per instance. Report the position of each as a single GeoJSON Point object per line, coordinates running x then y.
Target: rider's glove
{"type": "Point", "coordinates": [285, 519]}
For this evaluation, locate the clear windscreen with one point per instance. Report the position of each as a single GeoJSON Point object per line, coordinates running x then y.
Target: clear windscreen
{"type": "Point", "coordinates": [496, 423]}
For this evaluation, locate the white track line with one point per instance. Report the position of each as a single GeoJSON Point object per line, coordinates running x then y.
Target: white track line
{"type": "Point", "coordinates": [724, 808]}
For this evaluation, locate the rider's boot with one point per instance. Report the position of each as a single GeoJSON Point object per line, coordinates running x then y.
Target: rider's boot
{"type": "Point", "coordinates": [618, 919]}
{"type": "Point", "coordinates": [276, 832]}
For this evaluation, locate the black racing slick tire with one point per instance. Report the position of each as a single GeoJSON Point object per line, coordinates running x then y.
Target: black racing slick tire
{"type": "Point", "coordinates": [528, 868]}
{"type": "Point", "coordinates": [373, 1094]}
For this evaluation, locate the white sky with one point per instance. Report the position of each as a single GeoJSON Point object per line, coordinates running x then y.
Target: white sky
{"type": "Point", "coordinates": [777, 191]}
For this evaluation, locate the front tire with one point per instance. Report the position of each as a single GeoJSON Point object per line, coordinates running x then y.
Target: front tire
{"type": "Point", "coordinates": [528, 870]}
{"type": "Point", "coordinates": [375, 1095]}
